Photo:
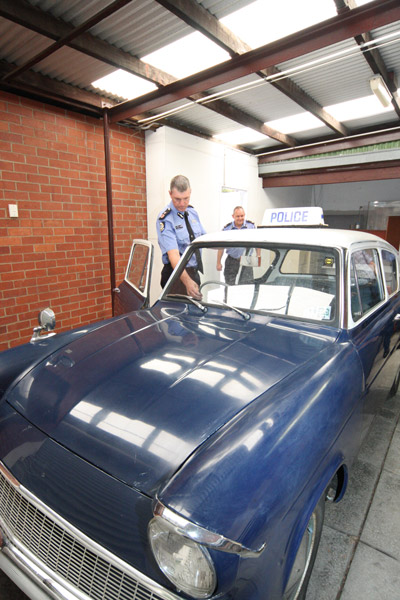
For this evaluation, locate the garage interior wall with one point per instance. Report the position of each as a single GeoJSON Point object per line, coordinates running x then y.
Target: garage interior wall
{"type": "Point", "coordinates": [55, 253]}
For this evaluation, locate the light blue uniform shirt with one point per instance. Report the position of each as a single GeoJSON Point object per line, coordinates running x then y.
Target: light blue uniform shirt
{"type": "Point", "coordinates": [172, 231]}
{"type": "Point", "coordinates": [237, 252]}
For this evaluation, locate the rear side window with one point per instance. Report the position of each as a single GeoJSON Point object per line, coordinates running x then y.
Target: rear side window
{"type": "Point", "coordinates": [309, 262]}
{"type": "Point", "coordinates": [366, 287]}
{"type": "Point", "coordinates": [390, 271]}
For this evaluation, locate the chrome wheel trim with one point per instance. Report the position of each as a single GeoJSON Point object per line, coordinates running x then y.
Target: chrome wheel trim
{"type": "Point", "coordinates": [302, 561]}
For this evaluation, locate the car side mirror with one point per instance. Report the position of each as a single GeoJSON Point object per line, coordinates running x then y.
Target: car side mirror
{"type": "Point", "coordinates": [47, 322]}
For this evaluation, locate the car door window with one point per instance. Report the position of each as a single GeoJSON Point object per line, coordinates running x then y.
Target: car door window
{"type": "Point", "coordinates": [133, 292]}
{"type": "Point", "coordinates": [137, 271]}
{"type": "Point", "coordinates": [390, 271]}
{"type": "Point", "coordinates": [366, 286]}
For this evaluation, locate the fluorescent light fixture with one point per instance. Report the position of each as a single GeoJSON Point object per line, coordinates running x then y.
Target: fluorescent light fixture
{"type": "Point", "coordinates": [245, 135]}
{"type": "Point", "coordinates": [190, 54]}
{"type": "Point", "coordinates": [380, 89]}
{"type": "Point", "coordinates": [123, 84]}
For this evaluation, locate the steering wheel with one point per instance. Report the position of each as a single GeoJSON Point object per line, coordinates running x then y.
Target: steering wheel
{"type": "Point", "coordinates": [212, 282]}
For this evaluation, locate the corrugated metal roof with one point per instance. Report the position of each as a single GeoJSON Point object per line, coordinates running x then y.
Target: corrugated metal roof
{"type": "Point", "coordinates": [260, 98]}
{"type": "Point", "coordinates": [72, 11]}
{"type": "Point", "coordinates": [221, 8]}
{"type": "Point", "coordinates": [140, 28]}
{"type": "Point", "coordinates": [331, 75]}
{"type": "Point", "coordinates": [389, 48]}
{"type": "Point", "coordinates": [144, 26]}
{"type": "Point", "coordinates": [18, 44]}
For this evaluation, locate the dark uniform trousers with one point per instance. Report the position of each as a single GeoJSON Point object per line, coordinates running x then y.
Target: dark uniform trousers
{"type": "Point", "coordinates": [231, 270]}
{"type": "Point", "coordinates": [178, 288]}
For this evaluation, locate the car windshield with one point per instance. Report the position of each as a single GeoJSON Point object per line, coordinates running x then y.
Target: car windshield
{"type": "Point", "coordinates": [298, 282]}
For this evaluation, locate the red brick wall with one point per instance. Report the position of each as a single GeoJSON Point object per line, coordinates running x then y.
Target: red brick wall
{"type": "Point", "coordinates": [56, 252]}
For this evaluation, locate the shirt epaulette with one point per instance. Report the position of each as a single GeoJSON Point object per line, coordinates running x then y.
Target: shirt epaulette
{"type": "Point", "coordinates": [165, 213]}
{"type": "Point", "coordinates": [248, 221]}
{"type": "Point", "coordinates": [227, 225]}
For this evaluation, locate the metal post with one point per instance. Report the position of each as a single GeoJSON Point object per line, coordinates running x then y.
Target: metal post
{"type": "Point", "coordinates": [110, 221]}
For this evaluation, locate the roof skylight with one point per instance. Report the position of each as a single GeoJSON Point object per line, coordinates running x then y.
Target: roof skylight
{"type": "Point", "coordinates": [244, 135]}
{"type": "Point", "coordinates": [344, 111]}
{"type": "Point", "coordinates": [256, 24]}
{"type": "Point", "coordinates": [301, 122]}
{"type": "Point", "coordinates": [259, 23]}
{"type": "Point", "coordinates": [357, 109]}
{"type": "Point", "coordinates": [123, 84]}
{"type": "Point", "coordinates": [191, 54]}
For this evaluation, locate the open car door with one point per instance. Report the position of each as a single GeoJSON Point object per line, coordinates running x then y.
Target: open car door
{"type": "Point", "coordinates": [133, 292]}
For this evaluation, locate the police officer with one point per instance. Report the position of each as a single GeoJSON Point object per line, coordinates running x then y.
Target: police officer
{"type": "Point", "coordinates": [177, 225]}
{"type": "Point", "coordinates": [232, 262]}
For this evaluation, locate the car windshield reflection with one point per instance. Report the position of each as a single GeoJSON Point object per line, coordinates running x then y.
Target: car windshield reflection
{"type": "Point", "coordinates": [296, 282]}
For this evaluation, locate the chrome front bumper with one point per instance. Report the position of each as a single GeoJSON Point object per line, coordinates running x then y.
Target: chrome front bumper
{"type": "Point", "coordinates": [29, 578]}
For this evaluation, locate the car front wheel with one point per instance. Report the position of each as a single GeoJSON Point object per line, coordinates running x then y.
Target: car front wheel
{"type": "Point", "coordinates": [303, 564]}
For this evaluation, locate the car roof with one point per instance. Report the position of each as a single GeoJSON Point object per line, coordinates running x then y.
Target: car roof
{"type": "Point", "coordinates": [310, 236]}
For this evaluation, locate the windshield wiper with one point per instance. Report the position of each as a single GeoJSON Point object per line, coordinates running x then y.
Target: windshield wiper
{"type": "Point", "coordinates": [245, 316]}
{"type": "Point", "coordinates": [203, 308]}
{"type": "Point", "coordinates": [191, 299]}
{"type": "Point", "coordinates": [273, 309]}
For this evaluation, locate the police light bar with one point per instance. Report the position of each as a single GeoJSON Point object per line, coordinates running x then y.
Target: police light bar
{"type": "Point", "coordinates": [293, 217]}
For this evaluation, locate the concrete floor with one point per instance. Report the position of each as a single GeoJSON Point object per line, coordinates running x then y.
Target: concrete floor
{"type": "Point", "coordinates": [359, 555]}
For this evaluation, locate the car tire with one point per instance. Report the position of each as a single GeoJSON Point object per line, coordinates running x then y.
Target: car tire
{"type": "Point", "coordinates": [303, 564]}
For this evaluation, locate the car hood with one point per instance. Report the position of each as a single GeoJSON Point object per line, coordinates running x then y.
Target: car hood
{"type": "Point", "coordinates": [137, 396]}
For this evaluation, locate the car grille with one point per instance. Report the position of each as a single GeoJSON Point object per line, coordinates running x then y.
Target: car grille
{"type": "Point", "coordinates": [64, 554]}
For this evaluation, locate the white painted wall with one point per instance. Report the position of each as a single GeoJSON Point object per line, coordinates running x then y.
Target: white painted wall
{"type": "Point", "coordinates": [355, 195]}
{"type": "Point", "coordinates": [210, 166]}
{"type": "Point", "coordinates": [289, 196]}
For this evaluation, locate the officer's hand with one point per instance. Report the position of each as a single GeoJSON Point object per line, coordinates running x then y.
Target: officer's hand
{"type": "Point", "coordinates": [219, 266]}
{"type": "Point", "coordinates": [192, 289]}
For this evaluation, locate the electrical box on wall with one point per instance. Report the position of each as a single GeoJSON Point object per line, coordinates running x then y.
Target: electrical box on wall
{"type": "Point", "coordinates": [13, 210]}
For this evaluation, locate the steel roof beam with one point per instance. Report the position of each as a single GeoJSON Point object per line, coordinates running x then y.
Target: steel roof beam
{"type": "Point", "coordinates": [202, 20]}
{"type": "Point", "coordinates": [63, 41]}
{"type": "Point", "coordinates": [365, 18]}
{"type": "Point", "coordinates": [391, 133]}
{"type": "Point", "coordinates": [199, 18]}
{"type": "Point", "coordinates": [52, 90]}
{"type": "Point", "coordinates": [45, 89]}
{"type": "Point", "coordinates": [372, 55]}
{"type": "Point", "coordinates": [343, 174]}
{"type": "Point", "coordinates": [47, 25]}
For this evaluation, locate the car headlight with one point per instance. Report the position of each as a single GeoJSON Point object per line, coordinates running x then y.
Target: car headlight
{"type": "Point", "coordinates": [187, 564]}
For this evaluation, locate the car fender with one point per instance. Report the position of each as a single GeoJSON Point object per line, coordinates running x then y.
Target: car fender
{"type": "Point", "coordinates": [319, 487]}
{"type": "Point", "coordinates": [231, 484]}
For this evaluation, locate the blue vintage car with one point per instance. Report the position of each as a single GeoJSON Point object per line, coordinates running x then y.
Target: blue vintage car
{"type": "Point", "coordinates": [187, 450]}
